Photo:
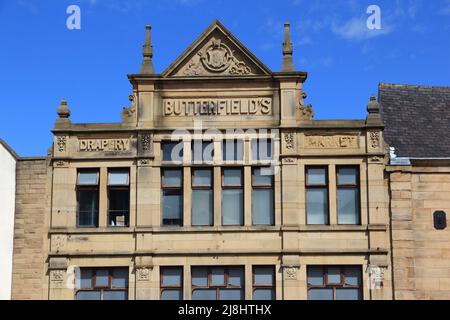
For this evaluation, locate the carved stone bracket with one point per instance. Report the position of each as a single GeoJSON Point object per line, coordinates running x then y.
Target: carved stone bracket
{"type": "Point", "coordinates": [289, 160]}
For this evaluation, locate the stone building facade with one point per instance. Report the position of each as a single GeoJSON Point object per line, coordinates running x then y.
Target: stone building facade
{"type": "Point", "coordinates": [217, 184]}
{"type": "Point", "coordinates": [417, 122]}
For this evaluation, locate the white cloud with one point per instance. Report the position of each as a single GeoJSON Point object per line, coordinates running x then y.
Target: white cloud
{"type": "Point", "coordinates": [356, 29]}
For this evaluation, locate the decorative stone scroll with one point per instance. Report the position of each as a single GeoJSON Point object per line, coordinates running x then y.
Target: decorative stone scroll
{"type": "Point", "coordinates": [86, 145]}
{"type": "Point", "coordinates": [336, 141]}
{"type": "Point", "coordinates": [215, 58]}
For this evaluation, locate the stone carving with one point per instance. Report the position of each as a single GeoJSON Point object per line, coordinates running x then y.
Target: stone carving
{"type": "Point", "coordinates": [338, 141]}
{"type": "Point", "coordinates": [289, 139]}
{"type": "Point", "coordinates": [305, 111]}
{"type": "Point", "coordinates": [61, 142]}
{"type": "Point", "coordinates": [288, 160]}
{"type": "Point", "coordinates": [146, 142]}
{"type": "Point", "coordinates": [376, 277]}
{"type": "Point", "coordinates": [61, 164]}
{"type": "Point", "coordinates": [57, 278]}
{"type": "Point", "coordinates": [143, 274]}
{"type": "Point", "coordinates": [374, 139]}
{"type": "Point", "coordinates": [130, 111]}
{"type": "Point", "coordinates": [290, 273]}
{"type": "Point", "coordinates": [59, 243]}
{"type": "Point", "coordinates": [144, 162]}
{"type": "Point", "coordinates": [216, 58]}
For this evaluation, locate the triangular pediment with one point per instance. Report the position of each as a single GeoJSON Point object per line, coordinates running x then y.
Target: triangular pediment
{"type": "Point", "coordinates": [216, 52]}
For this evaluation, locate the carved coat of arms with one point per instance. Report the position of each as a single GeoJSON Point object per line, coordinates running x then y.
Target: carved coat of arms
{"type": "Point", "coordinates": [217, 57]}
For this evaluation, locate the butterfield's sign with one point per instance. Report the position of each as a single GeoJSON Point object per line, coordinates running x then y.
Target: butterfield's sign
{"type": "Point", "coordinates": [104, 144]}
{"type": "Point", "coordinates": [214, 106]}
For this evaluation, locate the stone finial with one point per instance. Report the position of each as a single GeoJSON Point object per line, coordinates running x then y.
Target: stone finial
{"type": "Point", "coordinates": [373, 106]}
{"type": "Point", "coordinates": [147, 53]}
{"type": "Point", "coordinates": [373, 110]}
{"type": "Point", "coordinates": [63, 110]}
{"type": "Point", "coordinates": [288, 50]}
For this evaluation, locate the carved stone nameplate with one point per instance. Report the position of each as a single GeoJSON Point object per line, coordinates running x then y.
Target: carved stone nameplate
{"type": "Point", "coordinates": [104, 145]}
{"type": "Point", "coordinates": [338, 141]}
{"type": "Point", "coordinates": [214, 107]}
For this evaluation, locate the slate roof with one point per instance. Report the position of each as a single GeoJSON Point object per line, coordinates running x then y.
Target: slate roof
{"type": "Point", "coordinates": [416, 119]}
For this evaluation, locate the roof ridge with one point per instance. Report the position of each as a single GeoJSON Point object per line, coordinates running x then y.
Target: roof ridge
{"type": "Point", "coordinates": [397, 85]}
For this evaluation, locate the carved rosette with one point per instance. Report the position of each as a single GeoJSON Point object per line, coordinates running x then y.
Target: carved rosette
{"type": "Point", "coordinates": [143, 274]}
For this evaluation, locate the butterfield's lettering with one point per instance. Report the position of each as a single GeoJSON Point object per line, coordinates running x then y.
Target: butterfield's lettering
{"type": "Point", "coordinates": [214, 107]}
{"type": "Point", "coordinates": [104, 144]}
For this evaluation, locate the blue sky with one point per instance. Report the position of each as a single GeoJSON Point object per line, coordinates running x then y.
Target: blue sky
{"type": "Point", "coordinates": [41, 61]}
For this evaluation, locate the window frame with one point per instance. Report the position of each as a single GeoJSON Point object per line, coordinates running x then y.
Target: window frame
{"type": "Point", "coordinates": [88, 187]}
{"type": "Point", "coordinates": [356, 186]}
{"type": "Point", "coordinates": [325, 186]}
{"type": "Point", "coordinates": [270, 186]}
{"type": "Point", "coordinates": [107, 288]}
{"type": "Point", "coordinates": [119, 187]}
{"type": "Point", "coordinates": [202, 187]}
{"type": "Point", "coordinates": [171, 161]}
{"type": "Point", "coordinates": [161, 280]}
{"type": "Point", "coordinates": [226, 284]}
{"type": "Point", "coordinates": [259, 286]}
{"type": "Point", "coordinates": [180, 189]}
{"type": "Point", "coordinates": [335, 286]}
{"type": "Point", "coordinates": [233, 187]}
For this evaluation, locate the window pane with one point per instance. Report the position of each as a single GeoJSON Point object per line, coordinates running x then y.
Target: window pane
{"type": "Point", "coordinates": [202, 207]}
{"type": "Point", "coordinates": [202, 151]}
{"type": "Point", "coordinates": [320, 294]}
{"type": "Point", "coordinates": [115, 295]}
{"type": "Point", "coordinates": [119, 205]}
{"type": "Point", "coordinates": [101, 278]}
{"type": "Point", "coordinates": [87, 208]}
{"type": "Point", "coordinates": [204, 294]}
{"type": "Point", "coordinates": [172, 178]}
{"type": "Point", "coordinates": [232, 150]}
{"type": "Point", "coordinates": [172, 205]}
{"type": "Point", "coordinates": [348, 206]}
{"type": "Point", "coordinates": [263, 276]}
{"type": "Point", "coordinates": [88, 295]}
{"type": "Point", "coordinates": [316, 176]}
{"type": "Point", "coordinates": [171, 295]}
{"type": "Point", "coordinates": [347, 176]}
{"type": "Point", "coordinates": [120, 278]}
{"type": "Point", "coordinates": [231, 294]}
{"type": "Point", "coordinates": [347, 294]}
{"type": "Point", "coordinates": [202, 177]}
{"type": "Point", "coordinates": [86, 278]}
{"type": "Point", "coordinates": [261, 149]}
{"type": "Point", "coordinates": [315, 276]}
{"type": "Point", "coordinates": [317, 206]}
{"type": "Point", "coordinates": [118, 178]}
{"type": "Point", "coordinates": [264, 294]}
{"type": "Point", "coordinates": [172, 151]}
{"type": "Point", "coordinates": [334, 275]}
{"type": "Point", "coordinates": [87, 178]}
{"type": "Point", "coordinates": [199, 276]}
{"type": "Point", "coordinates": [171, 277]}
{"type": "Point", "coordinates": [236, 276]}
{"type": "Point", "coordinates": [260, 179]}
{"type": "Point", "coordinates": [232, 177]}
{"type": "Point", "coordinates": [217, 276]}
{"type": "Point", "coordinates": [353, 276]}
{"type": "Point", "coordinates": [262, 206]}
{"type": "Point", "coordinates": [233, 207]}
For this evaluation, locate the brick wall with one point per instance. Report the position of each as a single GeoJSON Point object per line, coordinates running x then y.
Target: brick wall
{"type": "Point", "coordinates": [28, 259]}
{"type": "Point", "coordinates": [421, 253]}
